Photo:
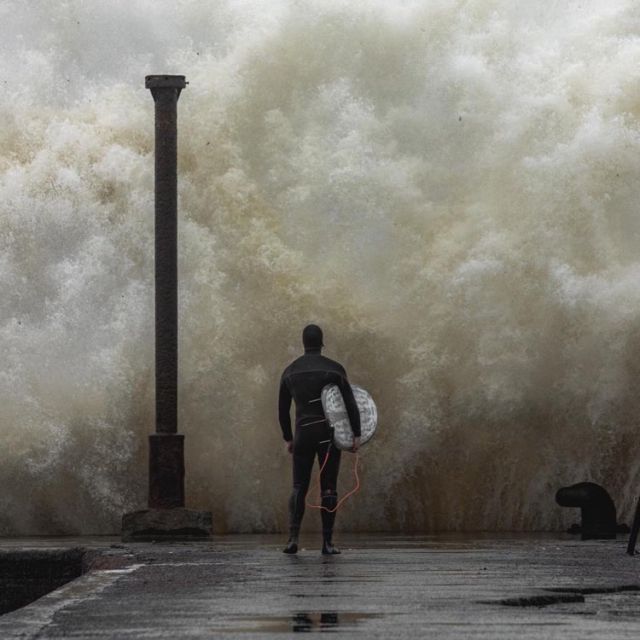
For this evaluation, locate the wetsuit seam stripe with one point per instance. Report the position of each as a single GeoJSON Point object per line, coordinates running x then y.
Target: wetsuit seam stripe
{"type": "Point", "coordinates": [297, 373]}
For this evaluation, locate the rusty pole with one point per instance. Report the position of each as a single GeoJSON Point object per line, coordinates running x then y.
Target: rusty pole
{"type": "Point", "coordinates": [166, 446]}
{"type": "Point", "coordinates": [166, 518]}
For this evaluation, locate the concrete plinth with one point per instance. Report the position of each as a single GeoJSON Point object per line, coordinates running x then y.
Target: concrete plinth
{"type": "Point", "coordinates": [166, 524]}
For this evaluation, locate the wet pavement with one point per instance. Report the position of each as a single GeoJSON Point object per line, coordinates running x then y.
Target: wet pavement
{"type": "Point", "coordinates": [380, 587]}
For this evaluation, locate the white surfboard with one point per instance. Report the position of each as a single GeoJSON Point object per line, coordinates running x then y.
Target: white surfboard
{"type": "Point", "coordinates": [338, 418]}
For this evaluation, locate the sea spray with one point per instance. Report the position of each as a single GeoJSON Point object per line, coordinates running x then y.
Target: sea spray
{"type": "Point", "coordinates": [448, 188]}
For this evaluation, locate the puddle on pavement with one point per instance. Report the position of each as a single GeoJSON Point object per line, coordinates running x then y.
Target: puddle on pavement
{"type": "Point", "coordinates": [604, 602]}
{"type": "Point", "coordinates": [302, 622]}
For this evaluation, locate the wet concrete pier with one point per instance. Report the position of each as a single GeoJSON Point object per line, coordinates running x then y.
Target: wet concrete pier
{"type": "Point", "coordinates": [380, 587]}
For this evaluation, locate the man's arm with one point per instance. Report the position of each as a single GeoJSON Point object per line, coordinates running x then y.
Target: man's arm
{"type": "Point", "coordinates": [350, 404]}
{"type": "Point", "coordinates": [284, 407]}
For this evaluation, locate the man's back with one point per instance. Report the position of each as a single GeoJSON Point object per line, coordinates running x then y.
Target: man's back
{"type": "Point", "coordinates": [305, 378]}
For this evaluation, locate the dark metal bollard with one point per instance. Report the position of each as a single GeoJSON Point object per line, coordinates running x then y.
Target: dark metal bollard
{"type": "Point", "coordinates": [596, 506]}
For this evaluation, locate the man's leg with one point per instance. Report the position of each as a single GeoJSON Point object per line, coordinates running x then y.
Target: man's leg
{"type": "Point", "coordinates": [302, 465]}
{"type": "Point", "coordinates": [329, 495]}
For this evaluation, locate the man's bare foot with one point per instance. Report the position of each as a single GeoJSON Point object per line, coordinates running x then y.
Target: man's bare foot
{"type": "Point", "coordinates": [292, 547]}
{"type": "Point", "coordinates": [329, 550]}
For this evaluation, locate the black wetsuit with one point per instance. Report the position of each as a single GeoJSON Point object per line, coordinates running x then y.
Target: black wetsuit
{"type": "Point", "coordinates": [303, 380]}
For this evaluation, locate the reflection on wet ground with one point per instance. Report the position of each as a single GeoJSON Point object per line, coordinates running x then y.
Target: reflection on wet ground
{"type": "Point", "coordinates": [301, 622]}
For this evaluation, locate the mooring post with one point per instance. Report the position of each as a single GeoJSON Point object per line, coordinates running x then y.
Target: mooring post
{"type": "Point", "coordinates": [166, 516]}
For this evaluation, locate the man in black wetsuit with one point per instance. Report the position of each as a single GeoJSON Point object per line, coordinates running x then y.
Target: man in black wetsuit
{"type": "Point", "coordinates": [303, 380]}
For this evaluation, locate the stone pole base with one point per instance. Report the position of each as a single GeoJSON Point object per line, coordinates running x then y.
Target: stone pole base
{"type": "Point", "coordinates": [166, 518]}
{"type": "Point", "coordinates": [166, 524]}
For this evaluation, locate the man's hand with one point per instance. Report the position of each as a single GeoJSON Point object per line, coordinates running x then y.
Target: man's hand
{"type": "Point", "coordinates": [289, 446]}
{"type": "Point", "coordinates": [356, 444]}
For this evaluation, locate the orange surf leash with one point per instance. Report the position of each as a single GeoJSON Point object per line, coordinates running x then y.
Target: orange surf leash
{"type": "Point", "coordinates": [354, 490]}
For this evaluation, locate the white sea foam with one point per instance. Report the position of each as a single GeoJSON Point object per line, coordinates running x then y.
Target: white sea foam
{"type": "Point", "coordinates": [449, 188]}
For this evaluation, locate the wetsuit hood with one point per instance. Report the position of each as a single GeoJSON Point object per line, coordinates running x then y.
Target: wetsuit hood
{"type": "Point", "coordinates": [312, 338]}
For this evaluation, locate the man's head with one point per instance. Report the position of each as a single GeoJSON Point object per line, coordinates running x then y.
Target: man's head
{"type": "Point", "coordinates": [312, 337]}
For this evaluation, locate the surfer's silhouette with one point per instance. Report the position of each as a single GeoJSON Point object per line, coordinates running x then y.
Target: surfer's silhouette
{"type": "Point", "coordinates": [303, 380]}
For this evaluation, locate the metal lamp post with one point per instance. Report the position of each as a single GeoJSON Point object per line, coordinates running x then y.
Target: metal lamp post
{"type": "Point", "coordinates": [166, 516]}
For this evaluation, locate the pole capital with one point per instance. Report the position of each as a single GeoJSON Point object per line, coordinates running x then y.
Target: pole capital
{"type": "Point", "coordinates": [162, 83]}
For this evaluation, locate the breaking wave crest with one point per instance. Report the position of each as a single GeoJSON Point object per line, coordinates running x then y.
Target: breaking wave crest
{"type": "Point", "coordinates": [449, 188]}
